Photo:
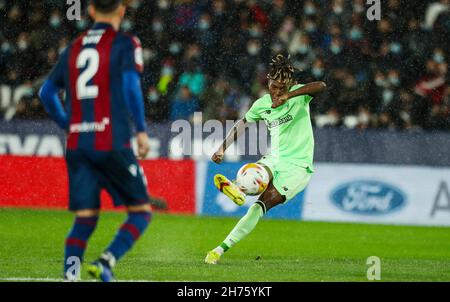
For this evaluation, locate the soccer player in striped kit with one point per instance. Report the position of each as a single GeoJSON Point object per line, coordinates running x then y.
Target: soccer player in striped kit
{"type": "Point", "coordinates": [100, 73]}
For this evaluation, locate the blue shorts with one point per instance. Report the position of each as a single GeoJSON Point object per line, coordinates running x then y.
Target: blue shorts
{"type": "Point", "coordinates": [116, 171]}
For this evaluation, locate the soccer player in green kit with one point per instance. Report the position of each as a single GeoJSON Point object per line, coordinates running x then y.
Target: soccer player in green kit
{"type": "Point", "coordinates": [285, 109]}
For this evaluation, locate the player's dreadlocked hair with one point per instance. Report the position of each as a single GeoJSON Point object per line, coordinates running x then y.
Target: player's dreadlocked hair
{"type": "Point", "coordinates": [281, 69]}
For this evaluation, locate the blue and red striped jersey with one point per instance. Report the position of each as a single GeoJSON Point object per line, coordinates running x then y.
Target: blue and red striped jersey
{"type": "Point", "coordinates": [91, 72]}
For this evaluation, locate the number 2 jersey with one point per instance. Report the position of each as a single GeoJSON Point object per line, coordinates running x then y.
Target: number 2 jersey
{"type": "Point", "coordinates": [91, 71]}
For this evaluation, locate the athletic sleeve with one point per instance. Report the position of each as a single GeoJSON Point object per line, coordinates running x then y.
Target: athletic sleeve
{"type": "Point", "coordinates": [49, 92]}
{"type": "Point", "coordinates": [305, 98]}
{"type": "Point", "coordinates": [52, 105]}
{"type": "Point", "coordinates": [134, 98]}
{"type": "Point", "coordinates": [252, 114]}
{"type": "Point", "coordinates": [132, 57]}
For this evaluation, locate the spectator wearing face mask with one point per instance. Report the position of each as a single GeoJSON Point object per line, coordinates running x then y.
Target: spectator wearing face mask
{"type": "Point", "coordinates": [156, 105]}
{"type": "Point", "coordinates": [208, 42]}
{"type": "Point", "coordinates": [302, 52]}
{"type": "Point", "coordinates": [336, 53]}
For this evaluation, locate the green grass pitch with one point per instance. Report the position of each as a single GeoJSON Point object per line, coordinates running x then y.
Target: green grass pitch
{"type": "Point", "coordinates": [173, 249]}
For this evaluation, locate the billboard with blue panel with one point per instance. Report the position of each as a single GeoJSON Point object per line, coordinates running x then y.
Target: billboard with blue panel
{"type": "Point", "coordinates": [217, 204]}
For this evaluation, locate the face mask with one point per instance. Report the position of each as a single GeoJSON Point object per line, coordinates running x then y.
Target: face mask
{"type": "Point", "coordinates": [355, 34]}
{"type": "Point", "coordinates": [6, 47]}
{"type": "Point", "coordinates": [310, 28]}
{"type": "Point", "coordinates": [338, 10]}
{"type": "Point", "coordinates": [157, 27]}
{"type": "Point", "coordinates": [255, 33]}
{"type": "Point", "coordinates": [82, 24]}
{"type": "Point", "coordinates": [174, 48]}
{"type": "Point", "coordinates": [203, 25]}
{"type": "Point", "coordinates": [22, 45]}
{"type": "Point", "coordinates": [28, 91]}
{"type": "Point", "coordinates": [380, 82]}
{"type": "Point", "coordinates": [303, 49]}
{"type": "Point", "coordinates": [438, 58]}
{"type": "Point", "coordinates": [396, 47]}
{"type": "Point", "coordinates": [153, 96]}
{"type": "Point", "coordinates": [363, 118]}
{"type": "Point", "coordinates": [55, 21]}
{"type": "Point", "coordinates": [167, 71]}
{"type": "Point", "coordinates": [335, 49]}
{"type": "Point", "coordinates": [135, 4]}
{"type": "Point", "coordinates": [358, 8]}
{"type": "Point", "coordinates": [127, 25]}
{"type": "Point", "coordinates": [394, 80]}
{"type": "Point", "coordinates": [310, 10]}
{"type": "Point", "coordinates": [387, 96]}
{"type": "Point", "coordinates": [163, 4]}
{"type": "Point", "coordinates": [317, 72]}
{"type": "Point", "coordinates": [253, 50]}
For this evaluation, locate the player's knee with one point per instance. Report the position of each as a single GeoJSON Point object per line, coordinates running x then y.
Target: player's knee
{"type": "Point", "coordinates": [271, 198]}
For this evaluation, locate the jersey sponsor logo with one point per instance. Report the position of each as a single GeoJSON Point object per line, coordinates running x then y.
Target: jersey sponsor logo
{"type": "Point", "coordinates": [368, 197]}
{"type": "Point", "coordinates": [90, 126]}
{"type": "Point", "coordinates": [280, 121]}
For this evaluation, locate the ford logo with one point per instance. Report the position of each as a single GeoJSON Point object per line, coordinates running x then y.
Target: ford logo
{"type": "Point", "coordinates": [368, 197]}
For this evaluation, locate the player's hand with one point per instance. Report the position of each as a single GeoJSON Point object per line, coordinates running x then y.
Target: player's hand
{"type": "Point", "coordinates": [218, 156]}
{"type": "Point", "coordinates": [280, 100]}
{"type": "Point", "coordinates": [143, 145]}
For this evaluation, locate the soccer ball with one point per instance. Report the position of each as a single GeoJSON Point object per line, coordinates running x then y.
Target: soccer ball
{"type": "Point", "coordinates": [252, 179]}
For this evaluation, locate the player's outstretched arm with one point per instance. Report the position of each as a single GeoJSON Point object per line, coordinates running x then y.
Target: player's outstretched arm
{"type": "Point", "coordinates": [231, 137]}
{"type": "Point", "coordinates": [311, 89]}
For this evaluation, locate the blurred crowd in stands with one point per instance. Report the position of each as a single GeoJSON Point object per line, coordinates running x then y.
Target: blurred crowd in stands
{"type": "Point", "coordinates": [212, 56]}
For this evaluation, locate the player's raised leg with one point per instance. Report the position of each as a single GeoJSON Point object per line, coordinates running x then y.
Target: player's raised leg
{"type": "Point", "coordinates": [229, 188]}
{"type": "Point", "coordinates": [270, 198]}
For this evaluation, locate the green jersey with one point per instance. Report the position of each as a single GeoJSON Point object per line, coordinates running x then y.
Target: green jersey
{"type": "Point", "coordinates": [290, 128]}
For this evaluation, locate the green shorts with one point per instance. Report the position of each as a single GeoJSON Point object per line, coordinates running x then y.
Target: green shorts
{"type": "Point", "coordinates": [289, 178]}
